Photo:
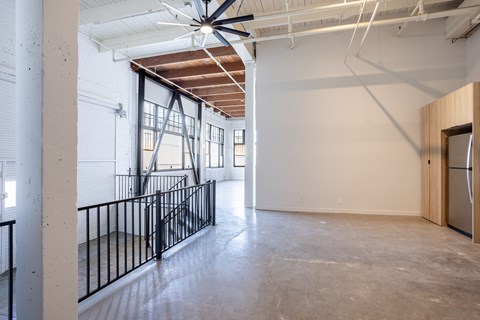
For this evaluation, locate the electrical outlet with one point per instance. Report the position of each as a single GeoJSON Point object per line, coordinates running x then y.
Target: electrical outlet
{"type": "Point", "coordinates": [339, 200]}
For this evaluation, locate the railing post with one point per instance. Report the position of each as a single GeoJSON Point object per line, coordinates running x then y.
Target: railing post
{"type": "Point", "coordinates": [214, 200]}
{"type": "Point", "coordinates": [158, 227]}
{"type": "Point", "coordinates": [10, 271]}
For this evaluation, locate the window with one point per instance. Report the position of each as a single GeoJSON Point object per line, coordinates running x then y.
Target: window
{"type": "Point", "coordinates": [214, 147]}
{"type": "Point", "coordinates": [239, 148]}
{"type": "Point", "coordinates": [173, 153]}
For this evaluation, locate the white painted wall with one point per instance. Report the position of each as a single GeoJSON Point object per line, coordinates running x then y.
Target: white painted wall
{"type": "Point", "coordinates": [327, 143]}
{"type": "Point", "coordinates": [473, 58]}
{"type": "Point", "coordinates": [7, 36]}
{"type": "Point", "coordinates": [234, 173]}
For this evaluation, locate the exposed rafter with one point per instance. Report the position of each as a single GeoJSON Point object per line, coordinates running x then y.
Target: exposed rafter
{"type": "Point", "coordinates": [185, 57]}
{"type": "Point", "coordinates": [202, 70]}
{"type": "Point", "coordinates": [225, 97]}
{"type": "Point", "coordinates": [123, 9]}
{"type": "Point", "coordinates": [205, 83]}
{"type": "Point", "coordinates": [217, 90]}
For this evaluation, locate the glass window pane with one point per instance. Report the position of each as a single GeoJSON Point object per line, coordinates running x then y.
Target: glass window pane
{"type": "Point", "coordinates": [149, 114]}
{"type": "Point", "coordinates": [214, 155]}
{"type": "Point", "coordinates": [188, 161]}
{"type": "Point", "coordinates": [170, 153]}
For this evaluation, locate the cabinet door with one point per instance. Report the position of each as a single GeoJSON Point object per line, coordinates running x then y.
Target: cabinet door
{"type": "Point", "coordinates": [425, 162]}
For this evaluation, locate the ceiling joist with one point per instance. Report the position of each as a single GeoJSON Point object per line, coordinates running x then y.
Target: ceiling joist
{"type": "Point", "coordinates": [225, 97]}
{"type": "Point", "coordinates": [221, 90]}
{"type": "Point", "coordinates": [205, 83]}
{"type": "Point", "coordinates": [202, 70]}
{"type": "Point", "coordinates": [184, 57]}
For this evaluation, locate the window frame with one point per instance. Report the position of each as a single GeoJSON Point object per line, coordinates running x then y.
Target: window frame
{"type": "Point", "coordinates": [214, 136]}
{"type": "Point", "coordinates": [235, 143]}
{"type": "Point", "coordinates": [174, 127]}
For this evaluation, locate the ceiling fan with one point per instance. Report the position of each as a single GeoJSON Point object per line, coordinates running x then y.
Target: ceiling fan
{"type": "Point", "coordinates": [209, 24]}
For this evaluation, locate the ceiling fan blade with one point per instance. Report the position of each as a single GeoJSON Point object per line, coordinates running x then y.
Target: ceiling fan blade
{"type": "Point", "coordinates": [204, 40]}
{"type": "Point", "coordinates": [233, 31]}
{"type": "Point", "coordinates": [221, 10]}
{"type": "Point", "coordinates": [186, 34]}
{"type": "Point", "coordinates": [177, 24]}
{"type": "Point", "coordinates": [233, 20]}
{"type": "Point", "coordinates": [221, 38]}
{"type": "Point", "coordinates": [179, 12]}
{"type": "Point", "coordinates": [199, 7]}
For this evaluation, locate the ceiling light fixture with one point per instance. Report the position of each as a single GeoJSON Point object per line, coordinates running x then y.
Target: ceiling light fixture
{"type": "Point", "coordinates": [206, 28]}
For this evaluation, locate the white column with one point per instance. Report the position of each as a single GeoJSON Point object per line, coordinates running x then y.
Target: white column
{"type": "Point", "coordinates": [250, 129]}
{"type": "Point", "coordinates": [46, 66]}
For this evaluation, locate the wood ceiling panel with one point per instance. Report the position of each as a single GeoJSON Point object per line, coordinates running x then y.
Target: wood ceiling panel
{"type": "Point", "coordinates": [199, 74]}
{"type": "Point", "coordinates": [218, 81]}
{"type": "Point", "coordinates": [184, 56]}
{"type": "Point", "coordinates": [217, 90]}
{"type": "Point", "coordinates": [227, 104]}
{"type": "Point", "coordinates": [201, 70]}
{"type": "Point", "coordinates": [225, 97]}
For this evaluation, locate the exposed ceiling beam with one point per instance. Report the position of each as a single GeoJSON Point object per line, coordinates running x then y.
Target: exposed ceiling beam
{"type": "Point", "coordinates": [218, 81]}
{"type": "Point", "coordinates": [184, 57]}
{"type": "Point", "coordinates": [225, 97]}
{"type": "Point", "coordinates": [229, 104]}
{"type": "Point", "coordinates": [123, 9]}
{"type": "Point", "coordinates": [340, 10]}
{"type": "Point", "coordinates": [141, 39]}
{"type": "Point", "coordinates": [217, 90]}
{"type": "Point", "coordinates": [202, 70]}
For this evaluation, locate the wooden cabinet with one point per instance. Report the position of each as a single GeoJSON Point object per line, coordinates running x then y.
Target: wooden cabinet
{"type": "Point", "coordinates": [456, 111]}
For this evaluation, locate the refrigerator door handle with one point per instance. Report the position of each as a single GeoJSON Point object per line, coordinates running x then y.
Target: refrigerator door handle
{"type": "Point", "coordinates": [467, 171]}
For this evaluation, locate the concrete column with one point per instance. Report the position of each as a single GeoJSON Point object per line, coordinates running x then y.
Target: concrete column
{"type": "Point", "coordinates": [46, 66]}
{"type": "Point", "coordinates": [250, 129]}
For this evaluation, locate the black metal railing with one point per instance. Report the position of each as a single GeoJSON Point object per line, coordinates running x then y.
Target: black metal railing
{"type": "Point", "coordinates": [182, 213]}
{"type": "Point", "coordinates": [127, 185]}
{"type": "Point", "coordinates": [117, 237]}
{"type": "Point", "coordinates": [8, 276]}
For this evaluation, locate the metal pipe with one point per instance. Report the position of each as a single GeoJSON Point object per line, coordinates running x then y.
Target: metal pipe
{"type": "Point", "coordinates": [372, 18]}
{"type": "Point", "coordinates": [156, 75]}
{"type": "Point", "coordinates": [290, 26]}
{"type": "Point", "coordinates": [417, 8]}
{"type": "Point", "coordinates": [355, 30]}
{"type": "Point", "coordinates": [259, 17]}
{"type": "Point", "coordinates": [345, 27]}
{"type": "Point", "coordinates": [223, 69]}
{"type": "Point", "coordinates": [423, 17]}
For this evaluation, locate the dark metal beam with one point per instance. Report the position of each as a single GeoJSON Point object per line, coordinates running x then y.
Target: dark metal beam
{"type": "Point", "coordinates": [159, 141]}
{"type": "Point", "coordinates": [185, 134]}
{"type": "Point", "coordinates": [141, 102]}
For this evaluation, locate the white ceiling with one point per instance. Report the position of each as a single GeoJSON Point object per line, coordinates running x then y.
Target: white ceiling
{"type": "Point", "coordinates": [129, 26]}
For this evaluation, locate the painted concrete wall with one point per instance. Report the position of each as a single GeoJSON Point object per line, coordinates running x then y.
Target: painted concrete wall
{"type": "Point", "coordinates": [7, 36]}
{"type": "Point", "coordinates": [473, 58]}
{"type": "Point", "coordinates": [335, 138]}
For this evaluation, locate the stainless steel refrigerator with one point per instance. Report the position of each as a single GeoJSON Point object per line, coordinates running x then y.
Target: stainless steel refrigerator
{"type": "Point", "coordinates": [460, 183]}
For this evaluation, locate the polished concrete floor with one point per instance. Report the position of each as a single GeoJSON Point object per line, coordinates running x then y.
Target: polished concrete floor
{"type": "Point", "coordinates": [275, 265]}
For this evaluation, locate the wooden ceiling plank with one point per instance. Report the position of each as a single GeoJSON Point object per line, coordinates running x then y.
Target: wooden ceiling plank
{"type": "Point", "coordinates": [225, 97]}
{"type": "Point", "coordinates": [202, 83]}
{"type": "Point", "coordinates": [184, 57]}
{"type": "Point", "coordinates": [229, 104]}
{"type": "Point", "coordinates": [227, 89]}
{"type": "Point", "coordinates": [202, 70]}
